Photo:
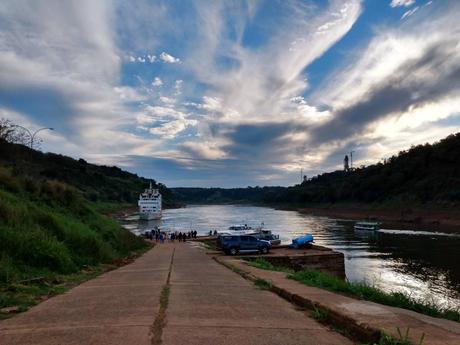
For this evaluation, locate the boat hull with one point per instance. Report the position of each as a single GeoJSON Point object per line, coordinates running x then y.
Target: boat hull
{"type": "Point", "coordinates": [366, 228]}
{"type": "Point", "coordinates": [150, 216]}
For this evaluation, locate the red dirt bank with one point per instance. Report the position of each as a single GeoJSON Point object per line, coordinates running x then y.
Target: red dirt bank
{"type": "Point", "coordinates": [414, 219]}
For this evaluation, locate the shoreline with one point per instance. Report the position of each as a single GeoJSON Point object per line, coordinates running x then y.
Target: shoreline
{"type": "Point", "coordinates": [393, 218]}
{"type": "Point", "coordinates": [417, 219]}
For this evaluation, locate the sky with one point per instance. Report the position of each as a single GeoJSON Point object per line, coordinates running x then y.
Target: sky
{"type": "Point", "coordinates": [231, 93]}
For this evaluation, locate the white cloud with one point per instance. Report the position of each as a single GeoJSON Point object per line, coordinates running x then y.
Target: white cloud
{"type": "Point", "coordinates": [165, 57]}
{"type": "Point", "coordinates": [178, 87]}
{"type": "Point", "coordinates": [171, 129]}
{"type": "Point", "coordinates": [264, 79]}
{"type": "Point", "coordinates": [142, 58]}
{"type": "Point", "coordinates": [399, 3]}
{"type": "Point", "coordinates": [157, 82]}
{"type": "Point", "coordinates": [128, 94]}
{"type": "Point", "coordinates": [68, 58]}
{"type": "Point", "coordinates": [402, 83]}
{"type": "Point", "coordinates": [409, 12]}
{"type": "Point", "coordinates": [204, 150]}
{"type": "Point", "coordinates": [167, 100]}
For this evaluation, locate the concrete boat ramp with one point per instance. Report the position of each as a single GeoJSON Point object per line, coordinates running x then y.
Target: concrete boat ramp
{"type": "Point", "coordinates": [177, 294]}
{"type": "Point", "coordinates": [207, 304]}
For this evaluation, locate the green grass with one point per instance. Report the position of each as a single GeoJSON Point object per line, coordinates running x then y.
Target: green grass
{"type": "Point", "coordinates": [105, 207]}
{"type": "Point", "coordinates": [51, 236]}
{"type": "Point", "coordinates": [164, 297]}
{"type": "Point", "coordinates": [403, 339]}
{"type": "Point", "coordinates": [265, 265]}
{"type": "Point", "coordinates": [210, 244]}
{"type": "Point", "coordinates": [361, 290]}
{"type": "Point", "coordinates": [263, 284]}
{"type": "Point", "coordinates": [320, 315]}
{"type": "Point", "coordinates": [371, 293]}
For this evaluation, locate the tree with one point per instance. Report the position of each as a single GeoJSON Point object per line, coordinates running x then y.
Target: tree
{"type": "Point", "coordinates": [13, 134]}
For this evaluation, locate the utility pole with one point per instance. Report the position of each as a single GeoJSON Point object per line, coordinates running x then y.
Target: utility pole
{"type": "Point", "coordinates": [351, 159]}
{"type": "Point", "coordinates": [301, 175]}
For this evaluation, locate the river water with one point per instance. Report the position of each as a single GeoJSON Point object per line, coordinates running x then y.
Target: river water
{"type": "Point", "coordinates": [425, 265]}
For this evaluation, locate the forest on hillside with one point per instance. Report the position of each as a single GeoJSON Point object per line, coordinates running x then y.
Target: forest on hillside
{"type": "Point", "coordinates": [98, 183]}
{"type": "Point", "coordinates": [428, 173]}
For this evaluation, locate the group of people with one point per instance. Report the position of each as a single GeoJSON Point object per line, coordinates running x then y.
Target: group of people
{"type": "Point", "coordinates": [159, 236]}
{"type": "Point", "coordinates": [182, 237]}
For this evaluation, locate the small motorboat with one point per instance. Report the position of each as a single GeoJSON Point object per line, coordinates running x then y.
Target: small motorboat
{"type": "Point", "coordinates": [369, 226]}
{"type": "Point", "coordinates": [302, 241]}
{"type": "Point", "coordinates": [267, 235]}
{"type": "Point", "coordinates": [239, 230]}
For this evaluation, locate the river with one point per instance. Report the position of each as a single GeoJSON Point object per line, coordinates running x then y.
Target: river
{"type": "Point", "coordinates": [425, 265]}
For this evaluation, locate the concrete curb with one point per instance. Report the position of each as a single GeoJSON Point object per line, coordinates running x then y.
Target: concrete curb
{"type": "Point", "coordinates": [359, 331]}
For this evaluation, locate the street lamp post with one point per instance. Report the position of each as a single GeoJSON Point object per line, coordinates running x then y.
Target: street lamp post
{"type": "Point", "coordinates": [32, 135]}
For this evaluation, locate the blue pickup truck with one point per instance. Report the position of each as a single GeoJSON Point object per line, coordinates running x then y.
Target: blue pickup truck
{"type": "Point", "coordinates": [234, 244]}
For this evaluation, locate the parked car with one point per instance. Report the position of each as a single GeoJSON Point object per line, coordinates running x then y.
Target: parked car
{"type": "Point", "coordinates": [233, 244]}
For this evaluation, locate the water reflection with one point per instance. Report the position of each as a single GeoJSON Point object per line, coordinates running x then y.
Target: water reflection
{"type": "Point", "coordinates": [422, 264]}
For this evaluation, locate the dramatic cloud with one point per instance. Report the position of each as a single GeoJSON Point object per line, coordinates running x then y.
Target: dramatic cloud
{"type": "Point", "coordinates": [389, 81]}
{"type": "Point", "coordinates": [230, 92]}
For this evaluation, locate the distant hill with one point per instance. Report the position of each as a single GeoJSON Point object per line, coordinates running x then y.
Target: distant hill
{"type": "Point", "coordinates": [427, 173]}
{"type": "Point", "coordinates": [97, 182]}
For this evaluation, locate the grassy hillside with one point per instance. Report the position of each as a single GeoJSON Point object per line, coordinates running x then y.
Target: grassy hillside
{"type": "Point", "coordinates": [52, 233]}
{"type": "Point", "coordinates": [97, 182]}
{"type": "Point", "coordinates": [48, 230]}
{"type": "Point", "coordinates": [425, 174]}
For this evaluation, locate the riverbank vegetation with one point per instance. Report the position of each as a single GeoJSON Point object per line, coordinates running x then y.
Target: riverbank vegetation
{"type": "Point", "coordinates": [51, 237]}
{"type": "Point", "coordinates": [53, 231]}
{"type": "Point", "coordinates": [424, 174]}
{"type": "Point", "coordinates": [361, 291]}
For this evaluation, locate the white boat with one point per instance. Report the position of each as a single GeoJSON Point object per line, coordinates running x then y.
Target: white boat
{"type": "Point", "coordinates": [150, 204]}
{"type": "Point", "coordinates": [371, 226]}
{"type": "Point", "coordinates": [239, 230]}
{"type": "Point", "coordinates": [259, 232]}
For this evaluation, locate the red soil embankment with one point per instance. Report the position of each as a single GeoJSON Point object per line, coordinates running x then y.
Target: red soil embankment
{"type": "Point", "coordinates": [413, 219]}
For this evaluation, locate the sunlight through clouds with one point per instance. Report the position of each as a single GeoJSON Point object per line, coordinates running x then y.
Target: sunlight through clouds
{"type": "Point", "coordinates": [271, 86]}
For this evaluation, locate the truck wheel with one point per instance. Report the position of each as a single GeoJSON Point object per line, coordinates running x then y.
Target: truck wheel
{"type": "Point", "coordinates": [264, 250]}
{"type": "Point", "coordinates": [233, 251]}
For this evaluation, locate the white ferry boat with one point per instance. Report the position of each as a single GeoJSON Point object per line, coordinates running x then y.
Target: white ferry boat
{"type": "Point", "coordinates": [371, 226]}
{"type": "Point", "coordinates": [150, 204]}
